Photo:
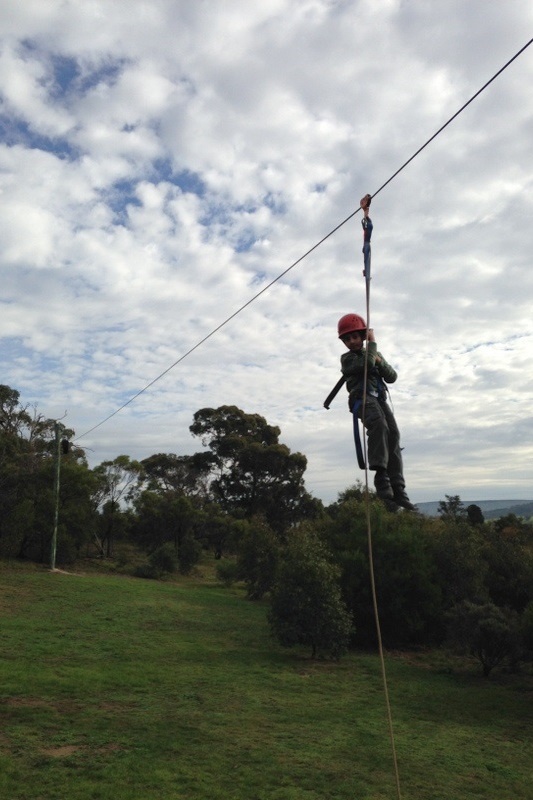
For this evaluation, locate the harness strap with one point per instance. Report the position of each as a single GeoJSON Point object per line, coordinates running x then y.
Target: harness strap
{"type": "Point", "coordinates": [382, 395]}
{"type": "Point", "coordinates": [382, 390]}
{"type": "Point", "coordinates": [357, 438]}
{"type": "Point", "coordinates": [334, 392]}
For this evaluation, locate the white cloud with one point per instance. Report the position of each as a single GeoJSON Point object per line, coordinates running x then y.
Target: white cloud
{"type": "Point", "coordinates": [26, 83]}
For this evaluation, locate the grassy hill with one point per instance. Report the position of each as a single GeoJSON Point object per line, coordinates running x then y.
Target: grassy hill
{"type": "Point", "coordinates": [124, 689]}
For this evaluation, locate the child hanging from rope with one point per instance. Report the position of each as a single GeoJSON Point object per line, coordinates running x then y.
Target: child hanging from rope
{"type": "Point", "coordinates": [384, 452]}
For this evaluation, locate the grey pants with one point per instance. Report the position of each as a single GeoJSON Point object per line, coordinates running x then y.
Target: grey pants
{"type": "Point", "coordinates": [383, 440]}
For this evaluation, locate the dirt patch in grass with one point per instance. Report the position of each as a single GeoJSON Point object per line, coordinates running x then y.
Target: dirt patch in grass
{"type": "Point", "coordinates": [25, 702]}
{"type": "Point", "coordinates": [61, 752]}
{"type": "Point", "coordinates": [66, 750]}
{"type": "Point", "coordinates": [61, 706]}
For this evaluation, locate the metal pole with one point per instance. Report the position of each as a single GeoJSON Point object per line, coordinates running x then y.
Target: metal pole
{"type": "Point", "coordinates": [56, 495]}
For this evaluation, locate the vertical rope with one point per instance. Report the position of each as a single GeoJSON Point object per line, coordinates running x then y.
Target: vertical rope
{"type": "Point", "coordinates": [370, 544]}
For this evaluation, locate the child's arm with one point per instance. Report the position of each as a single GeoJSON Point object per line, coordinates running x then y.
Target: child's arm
{"type": "Point", "coordinates": [387, 372]}
{"type": "Point", "coordinates": [371, 338]}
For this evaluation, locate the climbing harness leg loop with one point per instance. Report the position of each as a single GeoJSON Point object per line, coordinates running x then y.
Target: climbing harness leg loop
{"type": "Point", "coordinates": [357, 438]}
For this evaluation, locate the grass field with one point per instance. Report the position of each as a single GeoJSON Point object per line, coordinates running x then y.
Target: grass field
{"type": "Point", "coordinates": [116, 688]}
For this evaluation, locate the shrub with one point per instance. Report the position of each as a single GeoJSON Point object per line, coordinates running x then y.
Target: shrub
{"type": "Point", "coordinates": [484, 630]}
{"type": "Point", "coordinates": [188, 553]}
{"type": "Point", "coordinates": [259, 551]}
{"type": "Point", "coordinates": [227, 572]}
{"type": "Point", "coordinates": [306, 605]}
{"type": "Point", "coordinates": [164, 559]}
{"type": "Point", "coordinates": [526, 628]}
{"type": "Point", "coordinates": [147, 571]}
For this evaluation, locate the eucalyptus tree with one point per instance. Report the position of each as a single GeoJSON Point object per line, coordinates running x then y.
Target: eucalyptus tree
{"type": "Point", "coordinates": [251, 473]}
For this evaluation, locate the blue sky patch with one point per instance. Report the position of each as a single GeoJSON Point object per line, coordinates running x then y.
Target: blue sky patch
{"type": "Point", "coordinates": [119, 197]}
{"type": "Point", "coordinates": [245, 242]}
{"type": "Point", "coordinates": [275, 202]}
{"type": "Point", "coordinates": [107, 73]}
{"type": "Point", "coordinates": [187, 180]}
{"type": "Point", "coordinates": [190, 182]}
{"type": "Point", "coordinates": [15, 131]}
{"type": "Point", "coordinates": [66, 71]}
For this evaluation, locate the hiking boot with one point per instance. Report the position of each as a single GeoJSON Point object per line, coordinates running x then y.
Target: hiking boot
{"type": "Point", "coordinates": [384, 489]}
{"type": "Point", "coordinates": [389, 504]}
{"type": "Point", "coordinates": [401, 499]}
{"type": "Point", "coordinates": [382, 483]}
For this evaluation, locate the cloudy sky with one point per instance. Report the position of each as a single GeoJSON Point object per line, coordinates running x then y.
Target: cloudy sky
{"type": "Point", "coordinates": [161, 162]}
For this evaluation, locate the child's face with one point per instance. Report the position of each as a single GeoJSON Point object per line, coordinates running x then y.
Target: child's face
{"type": "Point", "coordinates": [353, 341]}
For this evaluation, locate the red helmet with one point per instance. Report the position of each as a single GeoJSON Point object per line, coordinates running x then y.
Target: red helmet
{"type": "Point", "coordinates": [350, 323]}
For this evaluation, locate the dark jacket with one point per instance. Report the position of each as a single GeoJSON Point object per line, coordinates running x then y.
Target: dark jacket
{"type": "Point", "coordinates": [353, 369]}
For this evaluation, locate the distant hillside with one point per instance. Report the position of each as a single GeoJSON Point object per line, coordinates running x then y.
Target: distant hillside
{"type": "Point", "coordinates": [492, 509]}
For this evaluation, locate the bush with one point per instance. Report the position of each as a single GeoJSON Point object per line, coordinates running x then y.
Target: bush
{"type": "Point", "coordinates": [526, 629]}
{"type": "Point", "coordinates": [259, 550]}
{"type": "Point", "coordinates": [164, 559]}
{"type": "Point", "coordinates": [407, 580]}
{"type": "Point", "coordinates": [147, 571]}
{"type": "Point", "coordinates": [188, 554]}
{"type": "Point", "coordinates": [227, 572]}
{"type": "Point", "coordinates": [306, 605]}
{"type": "Point", "coordinates": [486, 631]}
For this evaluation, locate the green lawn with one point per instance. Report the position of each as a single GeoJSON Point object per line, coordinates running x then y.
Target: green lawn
{"type": "Point", "coordinates": [124, 689]}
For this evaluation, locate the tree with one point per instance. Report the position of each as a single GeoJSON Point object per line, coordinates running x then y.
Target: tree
{"type": "Point", "coordinates": [14, 418]}
{"type": "Point", "coordinates": [485, 631]}
{"type": "Point", "coordinates": [216, 530]}
{"type": "Point", "coordinates": [167, 518]}
{"type": "Point", "coordinates": [306, 605]}
{"type": "Point", "coordinates": [77, 517]}
{"type": "Point", "coordinates": [451, 509]}
{"type": "Point", "coordinates": [252, 473]}
{"type": "Point", "coordinates": [356, 493]}
{"type": "Point", "coordinates": [259, 550]}
{"type": "Point", "coordinates": [475, 515]}
{"type": "Point", "coordinates": [27, 470]}
{"type": "Point", "coordinates": [117, 481]}
{"type": "Point", "coordinates": [458, 556]}
{"type": "Point", "coordinates": [509, 573]}
{"type": "Point", "coordinates": [162, 518]}
{"type": "Point", "coordinates": [513, 528]}
{"type": "Point", "coordinates": [409, 592]}
{"type": "Point", "coordinates": [187, 475]}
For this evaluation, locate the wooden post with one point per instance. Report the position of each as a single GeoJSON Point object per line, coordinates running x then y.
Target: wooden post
{"type": "Point", "coordinates": [56, 495]}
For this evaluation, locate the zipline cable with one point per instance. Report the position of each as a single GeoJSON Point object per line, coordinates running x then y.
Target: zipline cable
{"type": "Point", "coordinates": [219, 327]}
{"type": "Point", "coordinates": [454, 116]}
{"type": "Point", "coordinates": [307, 253]}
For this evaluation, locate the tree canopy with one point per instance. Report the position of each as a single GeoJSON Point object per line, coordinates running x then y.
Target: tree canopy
{"type": "Point", "coordinates": [252, 473]}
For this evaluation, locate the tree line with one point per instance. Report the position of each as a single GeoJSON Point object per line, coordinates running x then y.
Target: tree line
{"type": "Point", "coordinates": [242, 499]}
